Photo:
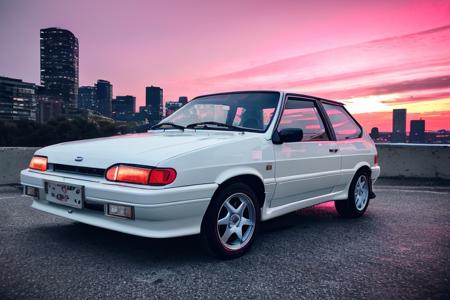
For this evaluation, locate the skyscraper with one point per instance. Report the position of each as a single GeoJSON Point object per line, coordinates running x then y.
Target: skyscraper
{"type": "Point", "coordinates": [183, 100]}
{"type": "Point", "coordinates": [87, 98]}
{"type": "Point", "coordinates": [123, 106]}
{"type": "Point", "coordinates": [154, 100]}
{"type": "Point", "coordinates": [398, 126]}
{"type": "Point", "coordinates": [417, 131]}
{"type": "Point", "coordinates": [104, 97]}
{"type": "Point", "coordinates": [59, 65]}
{"type": "Point", "coordinates": [17, 99]}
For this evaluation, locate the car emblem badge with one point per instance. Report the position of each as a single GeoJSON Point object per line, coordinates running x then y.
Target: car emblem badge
{"type": "Point", "coordinates": [78, 158]}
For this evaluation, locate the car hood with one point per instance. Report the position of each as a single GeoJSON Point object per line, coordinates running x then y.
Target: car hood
{"type": "Point", "coordinates": [142, 149]}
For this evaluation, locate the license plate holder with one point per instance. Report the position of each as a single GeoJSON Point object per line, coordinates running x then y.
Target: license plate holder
{"type": "Point", "coordinates": [65, 194]}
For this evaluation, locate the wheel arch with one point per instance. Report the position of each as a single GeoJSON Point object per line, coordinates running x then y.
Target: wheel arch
{"type": "Point", "coordinates": [249, 177]}
{"type": "Point", "coordinates": [366, 168]}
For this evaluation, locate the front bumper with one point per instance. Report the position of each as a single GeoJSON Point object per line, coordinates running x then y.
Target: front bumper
{"type": "Point", "coordinates": [159, 213]}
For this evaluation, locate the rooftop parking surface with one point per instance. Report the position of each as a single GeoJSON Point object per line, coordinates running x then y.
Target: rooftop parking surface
{"type": "Point", "coordinates": [399, 249]}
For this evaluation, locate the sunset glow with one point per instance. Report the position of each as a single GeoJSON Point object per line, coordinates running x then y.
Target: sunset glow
{"type": "Point", "coordinates": [373, 56]}
{"type": "Point", "coordinates": [411, 71]}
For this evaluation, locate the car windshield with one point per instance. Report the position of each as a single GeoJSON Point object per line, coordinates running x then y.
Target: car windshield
{"type": "Point", "coordinates": [250, 111]}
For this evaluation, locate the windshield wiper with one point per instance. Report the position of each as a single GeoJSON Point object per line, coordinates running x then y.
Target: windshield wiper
{"type": "Point", "coordinates": [205, 124]}
{"type": "Point", "coordinates": [167, 124]}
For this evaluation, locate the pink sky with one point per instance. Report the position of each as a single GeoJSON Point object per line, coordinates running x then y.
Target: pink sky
{"type": "Point", "coordinates": [374, 55]}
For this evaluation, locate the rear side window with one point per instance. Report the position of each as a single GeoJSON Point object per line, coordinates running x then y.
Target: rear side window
{"type": "Point", "coordinates": [343, 124]}
{"type": "Point", "coordinates": [303, 114]}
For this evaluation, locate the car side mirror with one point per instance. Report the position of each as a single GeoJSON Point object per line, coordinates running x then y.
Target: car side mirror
{"type": "Point", "coordinates": [287, 135]}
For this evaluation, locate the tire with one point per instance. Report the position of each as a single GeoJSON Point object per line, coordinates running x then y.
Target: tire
{"type": "Point", "coordinates": [229, 229]}
{"type": "Point", "coordinates": [358, 197]}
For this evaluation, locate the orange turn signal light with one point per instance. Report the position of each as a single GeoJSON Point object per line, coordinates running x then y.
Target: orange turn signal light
{"type": "Point", "coordinates": [38, 163]}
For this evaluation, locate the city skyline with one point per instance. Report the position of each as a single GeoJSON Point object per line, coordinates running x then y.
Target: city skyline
{"type": "Point", "coordinates": [396, 63]}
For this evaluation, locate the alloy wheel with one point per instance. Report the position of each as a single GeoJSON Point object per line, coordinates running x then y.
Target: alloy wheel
{"type": "Point", "coordinates": [236, 221]}
{"type": "Point", "coordinates": [361, 192]}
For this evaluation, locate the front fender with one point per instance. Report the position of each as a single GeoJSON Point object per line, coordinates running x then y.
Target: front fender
{"type": "Point", "coordinates": [237, 171]}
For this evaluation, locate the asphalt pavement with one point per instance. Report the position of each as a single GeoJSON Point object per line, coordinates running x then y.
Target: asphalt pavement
{"type": "Point", "coordinates": [399, 250]}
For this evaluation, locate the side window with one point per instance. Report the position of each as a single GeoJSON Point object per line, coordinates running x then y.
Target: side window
{"type": "Point", "coordinates": [304, 114]}
{"type": "Point", "coordinates": [343, 124]}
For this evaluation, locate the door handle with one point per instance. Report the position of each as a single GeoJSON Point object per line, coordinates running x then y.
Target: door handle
{"type": "Point", "coordinates": [334, 150]}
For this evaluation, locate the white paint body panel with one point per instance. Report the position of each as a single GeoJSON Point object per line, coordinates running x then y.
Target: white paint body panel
{"type": "Point", "coordinates": [295, 175]}
{"type": "Point", "coordinates": [305, 170]}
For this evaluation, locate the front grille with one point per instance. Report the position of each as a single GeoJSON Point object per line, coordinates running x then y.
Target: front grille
{"type": "Point", "coordinates": [79, 170]}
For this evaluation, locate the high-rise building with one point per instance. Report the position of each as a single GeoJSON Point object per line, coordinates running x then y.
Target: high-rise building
{"type": "Point", "coordinates": [17, 99]}
{"type": "Point", "coordinates": [154, 100]}
{"type": "Point", "coordinates": [417, 131]}
{"type": "Point", "coordinates": [123, 106]}
{"type": "Point", "coordinates": [87, 98]}
{"type": "Point", "coordinates": [104, 97]}
{"type": "Point", "coordinates": [59, 65]}
{"type": "Point", "coordinates": [399, 126]}
{"type": "Point", "coordinates": [183, 100]}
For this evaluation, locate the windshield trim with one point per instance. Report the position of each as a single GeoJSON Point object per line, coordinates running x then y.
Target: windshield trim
{"type": "Point", "coordinates": [242, 92]}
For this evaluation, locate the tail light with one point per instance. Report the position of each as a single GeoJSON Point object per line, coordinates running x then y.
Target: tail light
{"type": "Point", "coordinates": [141, 175]}
{"type": "Point", "coordinates": [375, 160]}
{"type": "Point", "coordinates": [129, 174]}
{"type": "Point", "coordinates": [38, 163]}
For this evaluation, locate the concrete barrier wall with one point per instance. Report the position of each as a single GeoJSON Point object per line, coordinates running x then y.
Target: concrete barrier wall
{"type": "Point", "coordinates": [414, 161]}
{"type": "Point", "coordinates": [396, 160]}
{"type": "Point", "coordinates": [12, 160]}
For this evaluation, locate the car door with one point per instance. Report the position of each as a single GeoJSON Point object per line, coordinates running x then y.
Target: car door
{"type": "Point", "coordinates": [311, 167]}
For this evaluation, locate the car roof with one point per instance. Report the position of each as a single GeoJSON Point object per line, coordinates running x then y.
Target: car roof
{"type": "Point", "coordinates": [277, 91]}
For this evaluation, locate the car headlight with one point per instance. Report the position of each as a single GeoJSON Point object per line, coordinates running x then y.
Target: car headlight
{"type": "Point", "coordinates": [38, 163]}
{"type": "Point", "coordinates": [141, 175]}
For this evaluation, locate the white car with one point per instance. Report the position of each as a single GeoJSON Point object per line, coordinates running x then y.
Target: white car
{"type": "Point", "coordinates": [217, 166]}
